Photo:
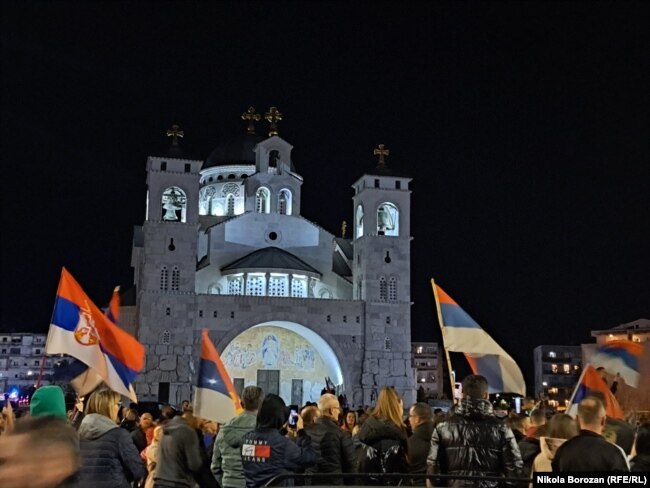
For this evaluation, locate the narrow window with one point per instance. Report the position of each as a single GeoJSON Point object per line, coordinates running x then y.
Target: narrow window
{"type": "Point", "coordinates": [383, 289]}
{"type": "Point", "coordinates": [163, 166]}
{"type": "Point", "coordinates": [200, 313]}
{"type": "Point", "coordinates": [376, 182]}
{"type": "Point", "coordinates": [392, 289]}
{"type": "Point", "coordinates": [164, 279]}
{"type": "Point", "coordinates": [176, 278]}
{"type": "Point", "coordinates": [398, 185]}
{"type": "Point", "coordinates": [188, 167]}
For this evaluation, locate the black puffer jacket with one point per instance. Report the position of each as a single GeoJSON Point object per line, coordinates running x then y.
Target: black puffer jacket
{"type": "Point", "coordinates": [384, 449]}
{"type": "Point", "coordinates": [472, 441]}
{"type": "Point", "coordinates": [335, 449]}
{"type": "Point", "coordinates": [529, 448]}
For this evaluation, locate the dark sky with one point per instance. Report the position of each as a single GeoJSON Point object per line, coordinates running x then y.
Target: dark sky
{"type": "Point", "coordinates": [524, 126]}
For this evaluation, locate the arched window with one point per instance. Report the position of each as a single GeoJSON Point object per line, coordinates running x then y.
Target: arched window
{"type": "Point", "coordinates": [278, 285]}
{"type": "Point", "coordinates": [284, 202]}
{"type": "Point", "coordinates": [166, 337]}
{"type": "Point", "coordinates": [230, 204]}
{"type": "Point", "coordinates": [392, 289]}
{"type": "Point", "coordinates": [174, 205]}
{"type": "Point", "coordinates": [176, 278]}
{"type": "Point", "coordinates": [164, 278]}
{"type": "Point", "coordinates": [387, 220]}
{"type": "Point", "coordinates": [359, 221]}
{"type": "Point", "coordinates": [256, 284]}
{"type": "Point", "coordinates": [262, 198]}
{"type": "Point", "coordinates": [299, 286]}
{"type": "Point", "coordinates": [235, 285]}
{"type": "Point", "coordinates": [383, 289]}
{"type": "Point", "coordinates": [214, 289]}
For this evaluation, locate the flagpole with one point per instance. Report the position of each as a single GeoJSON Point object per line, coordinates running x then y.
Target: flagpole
{"type": "Point", "coordinates": [442, 329]}
{"type": "Point", "coordinates": [40, 371]}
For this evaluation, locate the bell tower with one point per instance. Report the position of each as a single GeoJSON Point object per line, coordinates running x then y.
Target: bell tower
{"type": "Point", "coordinates": [165, 257]}
{"type": "Point", "coordinates": [381, 277]}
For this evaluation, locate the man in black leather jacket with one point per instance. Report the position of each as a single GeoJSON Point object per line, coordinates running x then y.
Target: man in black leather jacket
{"type": "Point", "coordinates": [472, 441]}
{"type": "Point", "coordinates": [333, 445]}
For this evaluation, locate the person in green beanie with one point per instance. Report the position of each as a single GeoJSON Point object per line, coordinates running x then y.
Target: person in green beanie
{"type": "Point", "coordinates": [48, 400]}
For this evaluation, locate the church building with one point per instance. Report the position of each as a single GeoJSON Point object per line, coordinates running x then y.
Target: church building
{"type": "Point", "coordinates": [288, 304]}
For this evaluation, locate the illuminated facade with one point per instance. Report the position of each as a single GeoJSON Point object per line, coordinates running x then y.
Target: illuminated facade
{"type": "Point", "coordinates": [224, 247]}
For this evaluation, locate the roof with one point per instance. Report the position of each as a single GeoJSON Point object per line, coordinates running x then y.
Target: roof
{"type": "Point", "coordinates": [236, 150]}
{"type": "Point", "coordinates": [346, 246]}
{"type": "Point", "coordinates": [340, 266]}
{"type": "Point", "coordinates": [270, 258]}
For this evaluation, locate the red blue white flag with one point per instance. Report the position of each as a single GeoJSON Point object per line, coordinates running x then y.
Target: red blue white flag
{"type": "Point", "coordinates": [80, 329]}
{"type": "Point", "coordinates": [620, 357]}
{"type": "Point", "coordinates": [590, 382]}
{"type": "Point", "coordinates": [462, 334]}
{"type": "Point", "coordinates": [215, 397]}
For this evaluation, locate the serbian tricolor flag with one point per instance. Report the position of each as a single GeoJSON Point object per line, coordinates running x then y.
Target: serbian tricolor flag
{"type": "Point", "coordinates": [620, 357]}
{"type": "Point", "coordinates": [80, 329]}
{"type": "Point", "coordinates": [590, 382]}
{"type": "Point", "coordinates": [461, 333]}
{"type": "Point", "coordinates": [215, 397]}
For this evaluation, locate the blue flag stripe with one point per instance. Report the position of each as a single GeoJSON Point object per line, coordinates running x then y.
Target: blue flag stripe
{"type": "Point", "coordinates": [66, 314]}
{"type": "Point", "coordinates": [630, 360]}
{"type": "Point", "coordinates": [210, 378]}
{"type": "Point", "coordinates": [454, 316]}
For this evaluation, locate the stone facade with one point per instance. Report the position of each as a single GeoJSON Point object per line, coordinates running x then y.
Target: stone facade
{"type": "Point", "coordinates": [224, 247]}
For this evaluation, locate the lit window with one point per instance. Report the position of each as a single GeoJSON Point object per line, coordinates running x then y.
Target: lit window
{"type": "Point", "coordinates": [299, 286]}
{"type": "Point", "coordinates": [235, 285]}
{"type": "Point", "coordinates": [284, 202]}
{"type": "Point", "coordinates": [566, 368]}
{"type": "Point", "coordinates": [387, 220]}
{"type": "Point", "coordinates": [418, 350]}
{"type": "Point", "coordinates": [554, 368]}
{"type": "Point", "coordinates": [174, 203]}
{"type": "Point", "coordinates": [262, 198]}
{"type": "Point", "coordinates": [255, 284]}
{"type": "Point", "coordinates": [552, 354]}
{"type": "Point", "coordinates": [278, 285]}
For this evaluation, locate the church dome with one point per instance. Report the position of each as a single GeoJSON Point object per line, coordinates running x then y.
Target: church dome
{"type": "Point", "coordinates": [236, 151]}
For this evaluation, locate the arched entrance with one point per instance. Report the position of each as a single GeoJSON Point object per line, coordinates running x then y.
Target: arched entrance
{"type": "Point", "coordinates": [282, 357]}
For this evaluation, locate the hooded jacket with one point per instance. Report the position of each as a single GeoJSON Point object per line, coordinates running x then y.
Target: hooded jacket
{"type": "Point", "coordinates": [108, 457]}
{"type": "Point", "coordinates": [48, 400]}
{"type": "Point", "coordinates": [473, 442]}
{"type": "Point", "coordinates": [226, 458]}
{"type": "Point", "coordinates": [549, 446]}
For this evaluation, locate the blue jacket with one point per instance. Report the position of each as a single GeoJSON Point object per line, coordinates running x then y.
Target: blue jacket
{"type": "Point", "coordinates": [109, 458]}
{"type": "Point", "coordinates": [266, 453]}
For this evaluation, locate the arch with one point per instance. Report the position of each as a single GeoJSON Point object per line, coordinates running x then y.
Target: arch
{"type": "Point", "coordinates": [387, 219]}
{"type": "Point", "coordinates": [230, 204]}
{"type": "Point", "coordinates": [284, 202]}
{"type": "Point", "coordinates": [262, 200]}
{"type": "Point", "coordinates": [358, 220]}
{"type": "Point", "coordinates": [214, 289]}
{"type": "Point", "coordinates": [296, 350]}
{"type": "Point", "coordinates": [174, 205]}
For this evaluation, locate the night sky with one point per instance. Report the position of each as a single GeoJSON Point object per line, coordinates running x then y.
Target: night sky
{"type": "Point", "coordinates": [524, 126]}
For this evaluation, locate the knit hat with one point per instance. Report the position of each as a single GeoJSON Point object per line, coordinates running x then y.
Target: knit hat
{"type": "Point", "coordinates": [48, 400]}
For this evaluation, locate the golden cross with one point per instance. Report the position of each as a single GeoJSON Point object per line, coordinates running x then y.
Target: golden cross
{"type": "Point", "coordinates": [252, 117]}
{"type": "Point", "coordinates": [174, 133]}
{"type": "Point", "coordinates": [381, 152]}
{"type": "Point", "coordinates": [344, 228]}
{"type": "Point", "coordinates": [273, 116]}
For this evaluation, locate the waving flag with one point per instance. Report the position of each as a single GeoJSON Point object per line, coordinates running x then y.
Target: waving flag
{"type": "Point", "coordinates": [590, 382]}
{"type": "Point", "coordinates": [215, 396]}
{"type": "Point", "coordinates": [81, 330]}
{"type": "Point", "coordinates": [620, 357]}
{"type": "Point", "coordinates": [462, 334]}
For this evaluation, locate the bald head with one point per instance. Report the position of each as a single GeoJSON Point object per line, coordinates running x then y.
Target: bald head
{"type": "Point", "coordinates": [329, 406]}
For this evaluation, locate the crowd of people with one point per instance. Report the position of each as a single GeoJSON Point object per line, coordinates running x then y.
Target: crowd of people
{"type": "Point", "coordinates": [110, 445]}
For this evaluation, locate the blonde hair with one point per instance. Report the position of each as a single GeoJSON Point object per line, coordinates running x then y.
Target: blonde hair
{"type": "Point", "coordinates": [389, 407]}
{"type": "Point", "coordinates": [157, 434]}
{"type": "Point", "coordinates": [102, 402]}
